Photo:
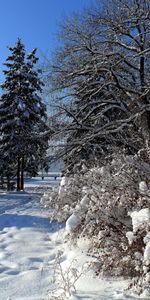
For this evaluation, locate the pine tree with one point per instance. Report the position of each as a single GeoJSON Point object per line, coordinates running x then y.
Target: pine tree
{"type": "Point", "coordinates": [22, 113]}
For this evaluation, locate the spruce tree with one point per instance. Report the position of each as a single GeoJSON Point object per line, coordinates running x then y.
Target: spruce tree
{"type": "Point", "coordinates": [22, 113]}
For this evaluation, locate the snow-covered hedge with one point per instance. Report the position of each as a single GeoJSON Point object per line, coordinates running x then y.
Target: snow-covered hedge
{"type": "Point", "coordinates": [139, 241]}
{"type": "Point", "coordinates": [100, 203]}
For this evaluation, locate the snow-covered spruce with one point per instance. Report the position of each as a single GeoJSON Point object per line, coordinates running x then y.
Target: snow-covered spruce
{"type": "Point", "coordinates": [22, 116]}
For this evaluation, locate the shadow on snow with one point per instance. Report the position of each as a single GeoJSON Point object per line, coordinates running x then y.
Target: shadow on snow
{"type": "Point", "coordinates": [28, 221]}
{"type": "Point", "coordinates": [13, 200]}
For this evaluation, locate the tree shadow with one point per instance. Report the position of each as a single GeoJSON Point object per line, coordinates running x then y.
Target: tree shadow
{"type": "Point", "coordinates": [28, 221]}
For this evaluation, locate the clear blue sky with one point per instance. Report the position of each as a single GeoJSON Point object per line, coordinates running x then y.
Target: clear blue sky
{"type": "Point", "coordinates": [35, 22]}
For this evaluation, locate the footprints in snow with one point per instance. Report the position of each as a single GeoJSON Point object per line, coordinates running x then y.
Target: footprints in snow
{"type": "Point", "coordinates": [23, 251]}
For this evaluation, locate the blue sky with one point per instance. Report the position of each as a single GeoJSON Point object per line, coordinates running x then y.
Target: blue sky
{"type": "Point", "coordinates": [35, 22]}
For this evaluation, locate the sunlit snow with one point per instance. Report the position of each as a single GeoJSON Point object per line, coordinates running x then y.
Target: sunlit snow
{"type": "Point", "coordinates": [29, 247]}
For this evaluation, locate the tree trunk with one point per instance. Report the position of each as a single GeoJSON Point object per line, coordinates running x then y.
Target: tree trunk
{"type": "Point", "coordinates": [145, 119]}
{"type": "Point", "coordinates": [18, 175]}
{"type": "Point", "coordinates": [145, 130]}
{"type": "Point", "coordinates": [8, 184]}
{"type": "Point", "coordinates": [22, 173]}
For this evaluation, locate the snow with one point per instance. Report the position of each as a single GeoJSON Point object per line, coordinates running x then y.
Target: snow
{"type": "Point", "coordinates": [62, 184]}
{"type": "Point", "coordinates": [143, 187]}
{"type": "Point", "coordinates": [63, 181]}
{"type": "Point", "coordinates": [147, 238]}
{"type": "Point", "coordinates": [30, 245]}
{"type": "Point", "coordinates": [72, 223]}
{"type": "Point", "coordinates": [75, 263]}
{"type": "Point", "coordinates": [102, 171]}
{"type": "Point", "coordinates": [147, 254]}
{"type": "Point", "coordinates": [139, 218]}
{"type": "Point", "coordinates": [36, 184]}
{"type": "Point", "coordinates": [85, 202]}
{"type": "Point", "coordinates": [26, 253]}
{"type": "Point", "coordinates": [146, 294]}
{"type": "Point", "coordinates": [130, 236]}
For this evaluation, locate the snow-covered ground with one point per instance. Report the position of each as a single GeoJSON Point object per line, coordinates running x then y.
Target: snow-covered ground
{"type": "Point", "coordinates": [26, 253]}
{"type": "Point", "coordinates": [29, 245]}
{"type": "Point", "coordinates": [37, 185]}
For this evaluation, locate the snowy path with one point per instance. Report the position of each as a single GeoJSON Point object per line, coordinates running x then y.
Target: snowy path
{"type": "Point", "coordinates": [28, 247]}
{"type": "Point", "coordinates": [26, 253]}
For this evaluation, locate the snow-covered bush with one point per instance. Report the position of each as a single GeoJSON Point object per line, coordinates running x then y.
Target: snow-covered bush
{"type": "Point", "coordinates": [98, 203]}
{"type": "Point", "coordinates": [65, 278]}
{"type": "Point", "coordinates": [139, 239]}
{"type": "Point", "coordinates": [63, 200]}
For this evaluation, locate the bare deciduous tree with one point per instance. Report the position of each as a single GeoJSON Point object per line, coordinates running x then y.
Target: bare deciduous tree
{"type": "Point", "coordinates": [100, 79]}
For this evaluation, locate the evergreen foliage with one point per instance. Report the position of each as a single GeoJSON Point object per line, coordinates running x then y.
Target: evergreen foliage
{"type": "Point", "coordinates": [22, 114]}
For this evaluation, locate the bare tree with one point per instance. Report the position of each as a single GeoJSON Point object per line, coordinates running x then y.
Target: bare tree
{"type": "Point", "coordinates": [100, 79]}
